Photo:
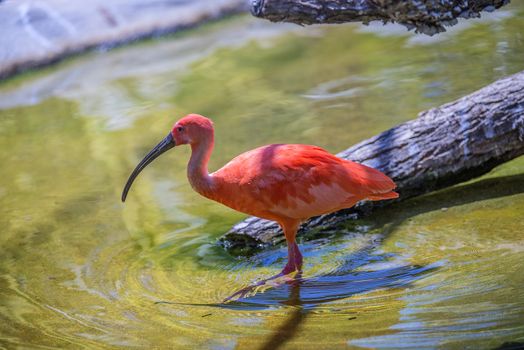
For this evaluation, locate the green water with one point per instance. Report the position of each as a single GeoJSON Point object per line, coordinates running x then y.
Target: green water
{"type": "Point", "coordinates": [79, 269]}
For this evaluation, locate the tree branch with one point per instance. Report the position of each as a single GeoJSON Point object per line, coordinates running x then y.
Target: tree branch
{"type": "Point", "coordinates": [425, 16]}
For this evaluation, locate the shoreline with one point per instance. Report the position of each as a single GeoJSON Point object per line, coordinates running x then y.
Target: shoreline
{"type": "Point", "coordinates": [38, 34]}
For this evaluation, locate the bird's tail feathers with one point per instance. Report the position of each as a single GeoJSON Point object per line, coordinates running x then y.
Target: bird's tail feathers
{"type": "Point", "coordinates": [382, 196]}
{"type": "Point", "coordinates": [378, 185]}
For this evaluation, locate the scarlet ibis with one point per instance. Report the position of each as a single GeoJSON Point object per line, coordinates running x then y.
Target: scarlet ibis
{"type": "Point", "coordinates": [286, 183]}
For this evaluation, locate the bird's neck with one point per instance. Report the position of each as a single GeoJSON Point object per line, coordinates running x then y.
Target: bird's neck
{"type": "Point", "coordinates": [197, 172]}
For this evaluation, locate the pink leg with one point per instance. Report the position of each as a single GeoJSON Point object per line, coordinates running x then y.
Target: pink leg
{"type": "Point", "coordinates": [294, 259]}
{"type": "Point", "coordinates": [294, 263]}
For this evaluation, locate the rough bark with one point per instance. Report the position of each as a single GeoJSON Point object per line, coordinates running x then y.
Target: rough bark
{"type": "Point", "coordinates": [442, 147]}
{"type": "Point", "coordinates": [425, 16]}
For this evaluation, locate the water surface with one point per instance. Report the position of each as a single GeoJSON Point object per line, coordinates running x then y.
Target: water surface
{"type": "Point", "coordinates": [79, 269]}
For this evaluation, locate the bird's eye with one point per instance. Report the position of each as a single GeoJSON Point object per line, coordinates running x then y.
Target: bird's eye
{"type": "Point", "coordinates": [180, 129]}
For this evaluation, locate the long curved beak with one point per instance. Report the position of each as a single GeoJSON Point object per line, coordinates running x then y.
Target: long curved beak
{"type": "Point", "coordinates": [166, 144]}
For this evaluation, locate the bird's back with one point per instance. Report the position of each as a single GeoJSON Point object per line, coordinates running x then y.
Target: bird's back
{"type": "Point", "coordinates": [296, 181]}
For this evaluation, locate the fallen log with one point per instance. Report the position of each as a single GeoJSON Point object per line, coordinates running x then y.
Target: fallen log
{"type": "Point", "coordinates": [442, 147]}
{"type": "Point", "coordinates": [427, 16]}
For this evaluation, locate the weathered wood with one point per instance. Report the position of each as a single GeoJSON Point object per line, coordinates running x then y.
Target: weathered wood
{"type": "Point", "coordinates": [426, 16]}
{"type": "Point", "coordinates": [442, 147]}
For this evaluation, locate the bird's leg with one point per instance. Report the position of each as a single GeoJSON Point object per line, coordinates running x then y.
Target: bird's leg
{"type": "Point", "coordinates": [294, 259]}
{"type": "Point", "coordinates": [294, 263]}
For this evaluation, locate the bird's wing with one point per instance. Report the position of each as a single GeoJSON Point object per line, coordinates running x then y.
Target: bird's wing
{"type": "Point", "coordinates": [296, 181]}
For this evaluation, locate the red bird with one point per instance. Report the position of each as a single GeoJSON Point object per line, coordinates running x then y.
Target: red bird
{"type": "Point", "coordinates": [286, 183]}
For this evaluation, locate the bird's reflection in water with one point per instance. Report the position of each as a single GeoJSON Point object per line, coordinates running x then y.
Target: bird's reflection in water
{"type": "Point", "coordinates": [302, 295]}
{"type": "Point", "coordinates": [305, 294]}
{"type": "Point", "coordinates": [310, 292]}
{"type": "Point", "coordinates": [296, 317]}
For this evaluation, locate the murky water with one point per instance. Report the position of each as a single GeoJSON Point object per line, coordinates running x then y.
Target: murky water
{"type": "Point", "coordinates": [78, 269]}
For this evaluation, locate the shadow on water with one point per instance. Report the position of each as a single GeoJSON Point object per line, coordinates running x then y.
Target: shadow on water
{"type": "Point", "coordinates": [485, 189]}
{"type": "Point", "coordinates": [290, 327]}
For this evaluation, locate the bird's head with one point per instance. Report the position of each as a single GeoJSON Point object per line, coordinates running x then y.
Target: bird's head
{"type": "Point", "coordinates": [192, 129]}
